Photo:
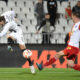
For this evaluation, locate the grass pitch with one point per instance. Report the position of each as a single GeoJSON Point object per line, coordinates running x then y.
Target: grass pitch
{"type": "Point", "coordinates": [45, 74]}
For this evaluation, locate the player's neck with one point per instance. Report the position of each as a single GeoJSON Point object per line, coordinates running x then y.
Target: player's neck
{"type": "Point", "coordinates": [77, 20]}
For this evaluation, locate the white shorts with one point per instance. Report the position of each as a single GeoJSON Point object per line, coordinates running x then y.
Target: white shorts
{"type": "Point", "coordinates": [18, 36]}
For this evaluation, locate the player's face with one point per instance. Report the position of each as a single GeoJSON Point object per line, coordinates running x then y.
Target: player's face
{"type": "Point", "coordinates": [78, 4]}
{"type": "Point", "coordinates": [2, 23]}
{"type": "Point", "coordinates": [73, 17]}
{"type": "Point", "coordinates": [47, 16]}
{"type": "Point", "coordinates": [40, 1]}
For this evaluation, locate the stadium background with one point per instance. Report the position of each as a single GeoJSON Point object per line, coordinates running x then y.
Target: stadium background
{"type": "Point", "coordinates": [24, 10]}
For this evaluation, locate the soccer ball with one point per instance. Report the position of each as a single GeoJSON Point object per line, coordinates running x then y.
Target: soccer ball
{"type": "Point", "coordinates": [27, 53]}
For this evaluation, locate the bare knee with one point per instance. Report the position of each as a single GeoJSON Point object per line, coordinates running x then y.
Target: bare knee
{"type": "Point", "coordinates": [59, 54]}
{"type": "Point", "coordinates": [8, 36]}
{"type": "Point", "coordinates": [22, 47]}
{"type": "Point", "coordinates": [70, 63]}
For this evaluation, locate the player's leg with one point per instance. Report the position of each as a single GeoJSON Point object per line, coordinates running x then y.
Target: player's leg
{"type": "Point", "coordinates": [71, 64]}
{"type": "Point", "coordinates": [21, 42]}
{"type": "Point", "coordinates": [57, 56]}
{"type": "Point", "coordinates": [10, 41]}
{"type": "Point", "coordinates": [51, 61]}
{"type": "Point", "coordinates": [71, 58]}
{"type": "Point", "coordinates": [23, 48]}
{"type": "Point", "coordinates": [76, 67]}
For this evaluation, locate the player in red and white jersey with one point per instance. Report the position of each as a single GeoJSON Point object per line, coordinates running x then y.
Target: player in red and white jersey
{"type": "Point", "coordinates": [8, 22]}
{"type": "Point", "coordinates": [75, 35]}
{"type": "Point", "coordinates": [72, 49]}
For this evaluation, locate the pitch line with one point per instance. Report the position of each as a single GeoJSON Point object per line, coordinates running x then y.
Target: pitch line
{"type": "Point", "coordinates": [36, 72]}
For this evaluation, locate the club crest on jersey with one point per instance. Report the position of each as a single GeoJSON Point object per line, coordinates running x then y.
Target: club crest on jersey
{"type": "Point", "coordinates": [68, 47]}
{"type": "Point", "coordinates": [76, 26]}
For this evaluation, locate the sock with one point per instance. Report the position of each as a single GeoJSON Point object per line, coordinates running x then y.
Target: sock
{"type": "Point", "coordinates": [22, 50]}
{"type": "Point", "coordinates": [10, 42]}
{"type": "Point", "coordinates": [52, 60]}
{"type": "Point", "coordinates": [28, 59]}
{"type": "Point", "coordinates": [30, 62]}
{"type": "Point", "coordinates": [76, 67]}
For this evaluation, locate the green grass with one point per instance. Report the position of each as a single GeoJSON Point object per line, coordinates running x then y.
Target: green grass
{"type": "Point", "coordinates": [46, 74]}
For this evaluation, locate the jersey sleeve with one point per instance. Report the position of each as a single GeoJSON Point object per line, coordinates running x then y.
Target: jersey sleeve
{"type": "Point", "coordinates": [5, 29]}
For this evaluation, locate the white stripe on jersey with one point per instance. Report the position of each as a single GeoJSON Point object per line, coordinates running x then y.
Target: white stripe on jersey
{"type": "Point", "coordinates": [75, 35]}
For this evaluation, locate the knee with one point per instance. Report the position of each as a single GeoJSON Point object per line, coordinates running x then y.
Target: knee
{"type": "Point", "coordinates": [22, 47]}
{"type": "Point", "coordinates": [59, 54]}
{"type": "Point", "coordinates": [9, 36]}
{"type": "Point", "coordinates": [70, 65]}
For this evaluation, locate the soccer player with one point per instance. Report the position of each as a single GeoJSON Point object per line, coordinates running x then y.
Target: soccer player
{"type": "Point", "coordinates": [8, 22]}
{"type": "Point", "coordinates": [72, 49]}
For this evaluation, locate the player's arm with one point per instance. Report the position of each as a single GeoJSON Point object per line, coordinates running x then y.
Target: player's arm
{"type": "Point", "coordinates": [42, 25]}
{"type": "Point", "coordinates": [5, 29]}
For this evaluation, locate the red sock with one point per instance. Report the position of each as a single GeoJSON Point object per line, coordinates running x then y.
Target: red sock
{"type": "Point", "coordinates": [76, 67]}
{"type": "Point", "coordinates": [52, 60]}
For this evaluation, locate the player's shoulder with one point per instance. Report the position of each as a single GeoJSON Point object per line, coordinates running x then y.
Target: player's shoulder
{"type": "Point", "coordinates": [77, 25]}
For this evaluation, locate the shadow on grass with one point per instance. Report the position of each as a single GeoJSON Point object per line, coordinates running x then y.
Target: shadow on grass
{"type": "Point", "coordinates": [22, 73]}
{"type": "Point", "coordinates": [77, 75]}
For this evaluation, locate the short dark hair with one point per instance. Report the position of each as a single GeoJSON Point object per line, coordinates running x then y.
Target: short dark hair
{"type": "Point", "coordinates": [76, 11]}
{"type": "Point", "coordinates": [2, 18]}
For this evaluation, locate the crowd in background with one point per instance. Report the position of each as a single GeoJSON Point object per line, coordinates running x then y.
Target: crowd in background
{"type": "Point", "coordinates": [52, 12]}
{"type": "Point", "coordinates": [43, 20]}
{"type": "Point", "coordinates": [46, 19]}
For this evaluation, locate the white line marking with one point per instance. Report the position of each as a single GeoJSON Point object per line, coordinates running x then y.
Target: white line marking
{"type": "Point", "coordinates": [36, 72]}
